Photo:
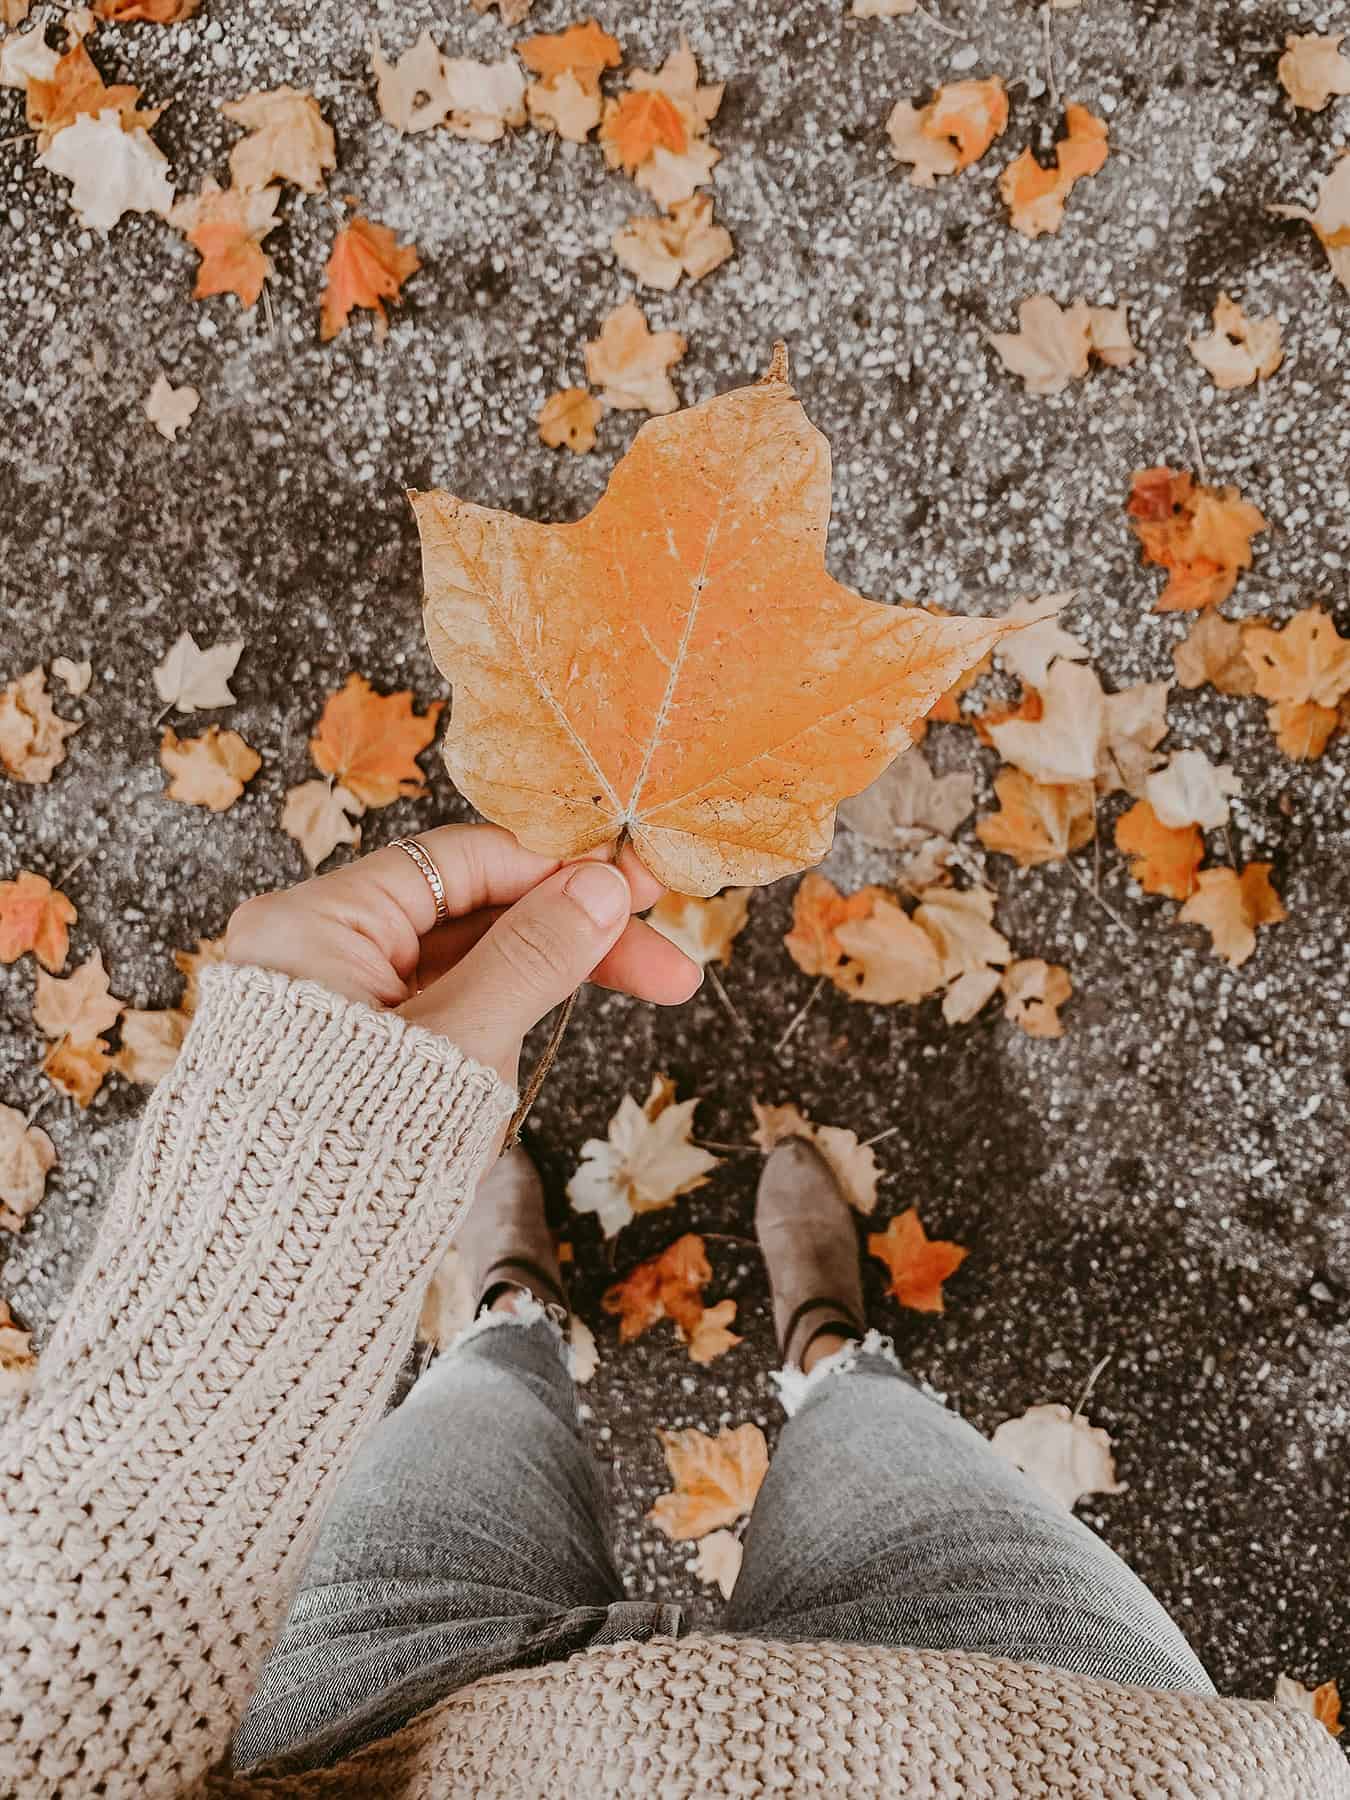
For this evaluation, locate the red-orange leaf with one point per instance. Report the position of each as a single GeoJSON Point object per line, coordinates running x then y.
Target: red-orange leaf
{"type": "Point", "coordinates": [582, 50]}
{"type": "Point", "coordinates": [34, 916]}
{"type": "Point", "coordinates": [367, 266]}
{"type": "Point", "coordinates": [226, 227]}
{"type": "Point", "coordinates": [918, 1264]}
{"type": "Point", "coordinates": [670, 1286]}
{"type": "Point", "coordinates": [369, 742]}
{"type": "Point", "coordinates": [1163, 858]}
{"type": "Point", "coordinates": [641, 123]}
{"type": "Point", "coordinates": [626, 674]}
{"type": "Point", "coordinates": [1201, 535]}
{"type": "Point", "coordinates": [77, 87]}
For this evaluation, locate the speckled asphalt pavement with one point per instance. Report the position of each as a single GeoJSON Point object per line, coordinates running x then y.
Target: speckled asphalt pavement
{"type": "Point", "coordinates": [1166, 1186]}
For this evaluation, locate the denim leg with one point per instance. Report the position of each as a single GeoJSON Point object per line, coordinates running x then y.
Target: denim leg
{"type": "Point", "coordinates": [886, 1519]}
{"type": "Point", "coordinates": [468, 1537]}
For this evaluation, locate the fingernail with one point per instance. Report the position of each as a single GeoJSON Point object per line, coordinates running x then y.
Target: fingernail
{"type": "Point", "coordinates": [601, 892]}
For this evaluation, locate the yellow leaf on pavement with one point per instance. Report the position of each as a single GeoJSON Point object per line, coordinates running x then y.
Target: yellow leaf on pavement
{"type": "Point", "coordinates": [716, 1479]}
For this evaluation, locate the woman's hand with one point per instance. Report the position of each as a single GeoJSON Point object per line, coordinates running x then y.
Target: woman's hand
{"type": "Point", "coordinates": [523, 932]}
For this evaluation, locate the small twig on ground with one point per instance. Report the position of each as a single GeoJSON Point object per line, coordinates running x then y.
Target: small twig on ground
{"type": "Point", "coordinates": [1105, 904]}
{"type": "Point", "coordinates": [798, 1016]}
{"type": "Point", "coordinates": [727, 1237]}
{"type": "Point", "coordinates": [727, 1149]}
{"type": "Point", "coordinates": [1096, 848]}
{"type": "Point", "coordinates": [1195, 445]}
{"type": "Point", "coordinates": [268, 314]}
{"type": "Point", "coordinates": [36, 1108]}
{"type": "Point", "coordinates": [1228, 839]}
{"type": "Point", "coordinates": [1089, 1384]}
{"type": "Point", "coordinates": [725, 998]}
{"type": "Point", "coordinates": [66, 873]}
{"type": "Point", "coordinates": [1050, 80]}
{"type": "Point", "coordinates": [890, 1131]}
{"type": "Point", "coordinates": [937, 24]}
{"type": "Point", "coordinates": [161, 715]}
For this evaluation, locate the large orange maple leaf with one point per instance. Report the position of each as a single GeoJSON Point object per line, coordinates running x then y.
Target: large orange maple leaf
{"type": "Point", "coordinates": [678, 665]}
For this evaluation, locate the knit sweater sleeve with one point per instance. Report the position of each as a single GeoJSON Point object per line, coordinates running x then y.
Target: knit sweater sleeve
{"type": "Point", "coordinates": [253, 1290]}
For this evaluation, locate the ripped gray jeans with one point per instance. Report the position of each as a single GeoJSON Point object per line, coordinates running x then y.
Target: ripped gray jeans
{"type": "Point", "coordinates": [469, 1538]}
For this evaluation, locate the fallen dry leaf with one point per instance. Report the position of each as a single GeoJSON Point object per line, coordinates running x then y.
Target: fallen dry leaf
{"type": "Point", "coordinates": [1239, 350]}
{"type": "Point", "coordinates": [719, 1561]}
{"type": "Point", "coordinates": [1303, 669]}
{"type": "Point", "coordinates": [194, 680]}
{"type": "Point", "coordinates": [1201, 535]}
{"type": "Point", "coordinates": [112, 171]}
{"type": "Point", "coordinates": [1163, 859]}
{"type": "Point", "coordinates": [645, 1163]}
{"type": "Point", "coordinates": [77, 1069]}
{"type": "Point", "coordinates": [412, 92]}
{"type": "Point", "coordinates": [369, 743]}
{"type": "Point", "coordinates": [703, 929]}
{"type": "Point", "coordinates": [583, 1355]}
{"type": "Point", "coordinates": [716, 1479]}
{"type": "Point", "coordinates": [1212, 651]}
{"type": "Point", "coordinates": [628, 362]}
{"type": "Point", "coordinates": [1330, 218]}
{"type": "Point", "coordinates": [170, 409]}
{"type": "Point", "coordinates": [1035, 196]}
{"type": "Point", "coordinates": [1231, 906]}
{"type": "Point", "coordinates": [669, 178]}
{"type": "Point", "coordinates": [563, 105]}
{"type": "Point", "coordinates": [1324, 1702]}
{"type": "Point", "coordinates": [1191, 790]}
{"type": "Point", "coordinates": [583, 50]}
{"type": "Point", "coordinates": [972, 952]}
{"type": "Point", "coordinates": [226, 227]}
{"type": "Point", "coordinates": [1038, 822]}
{"type": "Point", "coordinates": [34, 916]}
{"type": "Point", "coordinates": [151, 1041]}
{"type": "Point", "coordinates": [907, 797]}
{"type": "Point", "coordinates": [636, 124]}
{"type": "Point", "coordinates": [570, 417]}
{"type": "Point", "coordinates": [511, 12]}
{"type": "Point", "coordinates": [18, 1365]}
{"type": "Point", "coordinates": [32, 736]}
{"type": "Point", "coordinates": [818, 910]}
{"type": "Point", "coordinates": [677, 79]}
{"type": "Point", "coordinates": [1312, 69]}
{"type": "Point", "coordinates": [13, 12]}
{"type": "Point", "coordinates": [889, 960]}
{"type": "Point", "coordinates": [315, 814]}
{"type": "Point", "coordinates": [287, 140]}
{"type": "Point", "coordinates": [952, 131]}
{"type": "Point", "coordinates": [685, 242]}
{"type": "Point", "coordinates": [73, 676]}
{"type": "Point", "coordinates": [485, 98]}
{"type": "Point", "coordinates": [210, 770]}
{"type": "Point", "coordinates": [190, 965]}
{"type": "Point", "coordinates": [76, 90]}
{"type": "Point", "coordinates": [1063, 746]}
{"type": "Point", "coordinates": [704, 555]}
{"type": "Point", "coordinates": [670, 1286]}
{"type": "Point", "coordinates": [657, 131]}
{"type": "Point", "coordinates": [1052, 344]}
{"type": "Point", "coordinates": [853, 1164]}
{"type": "Point", "coordinates": [25, 57]}
{"type": "Point", "coordinates": [26, 1156]}
{"type": "Point", "coordinates": [1029, 651]}
{"type": "Point", "coordinates": [1061, 1453]}
{"type": "Point", "coordinates": [79, 1007]}
{"type": "Point", "coordinates": [1134, 723]}
{"type": "Point", "coordinates": [366, 266]}
{"type": "Point", "coordinates": [1033, 992]}
{"type": "Point", "coordinates": [918, 1265]}
{"type": "Point", "coordinates": [151, 12]}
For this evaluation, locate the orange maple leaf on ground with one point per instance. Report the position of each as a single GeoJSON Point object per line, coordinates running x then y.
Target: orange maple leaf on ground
{"type": "Point", "coordinates": [1038, 823]}
{"type": "Point", "coordinates": [1201, 535]}
{"type": "Point", "coordinates": [1035, 196]}
{"type": "Point", "coordinates": [570, 417]}
{"type": "Point", "coordinates": [367, 266]}
{"type": "Point", "coordinates": [211, 770]}
{"type": "Point", "coordinates": [34, 916]}
{"type": "Point", "coordinates": [1304, 671]}
{"type": "Point", "coordinates": [1033, 992]}
{"type": "Point", "coordinates": [918, 1264]}
{"type": "Point", "coordinates": [226, 227]}
{"type": "Point", "coordinates": [582, 50]}
{"type": "Point", "coordinates": [76, 87]}
{"type": "Point", "coordinates": [1231, 906]}
{"type": "Point", "coordinates": [77, 1070]}
{"type": "Point", "coordinates": [818, 910]}
{"type": "Point", "coordinates": [1322, 1702]}
{"type": "Point", "coordinates": [1163, 859]}
{"type": "Point", "coordinates": [641, 123]}
{"type": "Point", "coordinates": [716, 1479]}
{"type": "Point", "coordinates": [954, 130]}
{"type": "Point", "coordinates": [670, 1286]}
{"type": "Point", "coordinates": [369, 742]}
{"type": "Point", "coordinates": [683, 725]}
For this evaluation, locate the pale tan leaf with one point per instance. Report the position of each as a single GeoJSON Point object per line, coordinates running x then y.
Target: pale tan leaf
{"type": "Point", "coordinates": [1239, 350]}
{"type": "Point", "coordinates": [287, 140]}
{"type": "Point", "coordinates": [1050, 347]}
{"type": "Point", "coordinates": [1231, 906]}
{"type": "Point", "coordinates": [1330, 218]}
{"type": "Point", "coordinates": [1061, 1452]}
{"type": "Point", "coordinates": [1029, 651]}
{"type": "Point", "coordinates": [686, 242]}
{"type": "Point", "coordinates": [413, 92]}
{"type": "Point", "coordinates": [1061, 746]}
{"type": "Point", "coordinates": [170, 409]}
{"type": "Point", "coordinates": [26, 1156]}
{"type": "Point", "coordinates": [73, 676]}
{"type": "Point", "coordinates": [891, 959]}
{"type": "Point", "coordinates": [193, 680]}
{"type": "Point", "coordinates": [1312, 69]}
{"type": "Point", "coordinates": [1191, 790]}
{"type": "Point", "coordinates": [1033, 992]}
{"type": "Point", "coordinates": [77, 1069]}
{"type": "Point", "coordinates": [703, 929]}
{"type": "Point", "coordinates": [80, 1007]}
{"type": "Point", "coordinates": [315, 815]}
{"type": "Point", "coordinates": [209, 770]}
{"type": "Point", "coordinates": [32, 736]}
{"type": "Point", "coordinates": [1134, 723]}
{"type": "Point", "coordinates": [670, 176]}
{"type": "Point", "coordinates": [960, 923]}
{"type": "Point", "coordinates": [570, 417]}
{"type": "Point", "coordinates": [721, 1552]}
{"type": "Point", "coordinates": [151, 1040]}
{"type": "Point", "coordinates": [564, 104]}
{"type": "Point", "coordinates": [645, 1163]}
{"type": "Point", "coordinates": [628, 362]}
{"type": "Point", "coordinates": [1038, 823]}
{"type": "Point", "coordinates": [905, 796]}
{"type": "Point", "coordinates": [1212, 651]}
{"type": "Point", "coordinates": [677, 78]}
{"type": "Point", "coordinates": [485, 98]}
{"type": "Point", "coordinates": [113, 171]}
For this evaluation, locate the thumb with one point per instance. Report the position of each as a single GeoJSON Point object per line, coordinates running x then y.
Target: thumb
{"type": "Point", "coordinates": [527, 963]}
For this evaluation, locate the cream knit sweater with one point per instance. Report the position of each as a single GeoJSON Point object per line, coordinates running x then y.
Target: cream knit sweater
{"type": "Point", "coordinates": [253, 1291]}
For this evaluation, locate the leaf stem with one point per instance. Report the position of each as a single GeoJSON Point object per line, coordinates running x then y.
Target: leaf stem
{"type": "Point", "coordinates": [1105, 905]}
{"type": "Point", "coordinates": [725, 998]}
{"type": "Point", "coordinates": [798, 1016]}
